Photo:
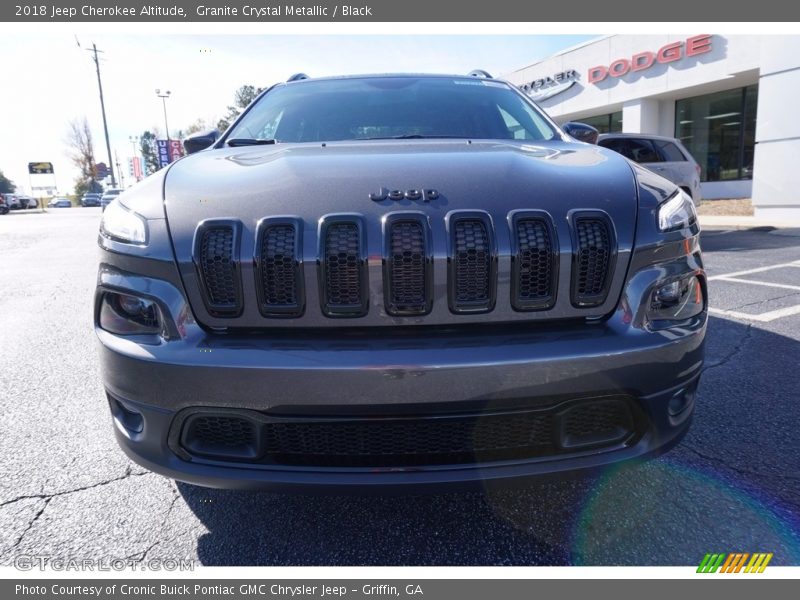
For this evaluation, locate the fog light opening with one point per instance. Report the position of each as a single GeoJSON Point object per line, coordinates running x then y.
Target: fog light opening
{"type": "Point", "coordinates": [129, 420]}
{"type": "Point", "coordinates": [680, 402]}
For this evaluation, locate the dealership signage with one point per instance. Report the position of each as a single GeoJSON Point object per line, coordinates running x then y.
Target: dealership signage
{"type": "Point", "coordinates": [40, 168]}
{"type": "Point", "coordinates": [641, 61]}
{"type": "Point", "coordinates": [547, 87]}
{"type": "Point", "coordinates": [168, 151]}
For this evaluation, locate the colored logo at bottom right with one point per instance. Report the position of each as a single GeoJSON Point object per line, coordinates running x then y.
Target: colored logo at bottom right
{"type": "Point", "coordinates": [735, 562]}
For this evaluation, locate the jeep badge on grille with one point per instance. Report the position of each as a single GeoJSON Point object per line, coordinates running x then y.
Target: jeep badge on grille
{"type": "Point", "coordinates": [412, 194]}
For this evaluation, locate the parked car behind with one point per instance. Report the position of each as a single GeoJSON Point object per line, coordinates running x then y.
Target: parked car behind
{"type": "Point", "coordinates": [108, 196]}
{"type": "Point", "coordinates": [59, 203]}
{"type": "Point", "coordinates": [664, 156]}
{"type": "Point", "coordinates": [90, 199]}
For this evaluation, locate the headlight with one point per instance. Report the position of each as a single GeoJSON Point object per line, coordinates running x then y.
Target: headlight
{"type": "Point", "coordinates": [124, 314]}
{"type": "Point", "coordinates": [120, 224]}
{"type": "Point", "coordinates": [676, 301]}
{"type": "Point", "coordinates": [677, 213]}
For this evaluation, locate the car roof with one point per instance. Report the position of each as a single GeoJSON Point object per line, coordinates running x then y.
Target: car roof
{"type": "Point", "coordinates": [391, 76]}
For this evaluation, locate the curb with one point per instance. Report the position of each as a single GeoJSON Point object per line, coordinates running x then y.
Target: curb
{"type": "Point", "coordinates": [716, 222]}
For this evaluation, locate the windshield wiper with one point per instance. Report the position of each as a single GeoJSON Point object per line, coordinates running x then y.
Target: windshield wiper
{"type": "Point", "coordinates": [250, 142]}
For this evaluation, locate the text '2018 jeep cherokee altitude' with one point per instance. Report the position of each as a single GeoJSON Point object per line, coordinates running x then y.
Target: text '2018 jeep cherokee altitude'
{"type": "Point", "coordinates": [403, 281]}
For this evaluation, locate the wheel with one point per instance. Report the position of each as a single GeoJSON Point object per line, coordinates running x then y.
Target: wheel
{"type": "Point", "coordinates": [3, 210]}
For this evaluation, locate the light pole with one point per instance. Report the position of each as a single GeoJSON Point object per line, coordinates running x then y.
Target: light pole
{"type": "Point", "coordinates": [164, 97]}
{"type": "Point", "coordinates": [95, 51]}
{"type": "Point", "coordinates": [134, 139]}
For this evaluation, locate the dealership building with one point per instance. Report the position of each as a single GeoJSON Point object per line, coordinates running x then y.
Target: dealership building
{"type": "Point", "coordinates": [731, 100]}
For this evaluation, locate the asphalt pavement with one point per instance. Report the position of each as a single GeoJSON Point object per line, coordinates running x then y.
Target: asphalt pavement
{"type": "Point", "coordinates": [67, 491]}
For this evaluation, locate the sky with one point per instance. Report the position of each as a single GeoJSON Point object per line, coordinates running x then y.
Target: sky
{"type": "Point", "coordinates": [49, 79]}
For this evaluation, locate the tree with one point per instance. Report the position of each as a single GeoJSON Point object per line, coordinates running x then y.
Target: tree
{"type": "Point", "coordinates": [149, 150]}
{"type": "Point", "coordinates": [79, 139]}
{"type": "Point", "coordinates": [196, 127]}
{"type": "Point", "coordinates": [85, 186]}
{"type": "Point", "coordinates": [242, 99]}
{"type": "Point", "coordinates": [6, 185]}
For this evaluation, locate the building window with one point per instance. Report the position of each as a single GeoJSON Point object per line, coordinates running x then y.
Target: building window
{"type": "Point", "coordinates": [719, 130]}
{"type": "Point", "coordinates": [610, 123]}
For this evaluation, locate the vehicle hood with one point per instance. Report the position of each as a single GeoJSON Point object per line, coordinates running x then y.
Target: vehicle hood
{"type": "Point", "coordinates": [311, 180]}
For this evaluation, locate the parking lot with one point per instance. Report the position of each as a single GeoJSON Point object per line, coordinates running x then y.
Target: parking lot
{"type": "Point", "coordinates": [66, 490]}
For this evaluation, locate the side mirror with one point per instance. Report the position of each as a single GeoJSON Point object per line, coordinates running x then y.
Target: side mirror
{"type": "Point", "coordinates": [200, 141]}
{"type": "Point", "coordinates": [581, 132]}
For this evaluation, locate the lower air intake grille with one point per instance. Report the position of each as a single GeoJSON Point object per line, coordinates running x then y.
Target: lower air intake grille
{"type": "Point", "coordinates": [471, 268]}
{"type": "Point", "coordinates": [220, 436]}
{"type": "Point", "coordinates": [343, 269]}
{"type": "Point", "coordinates": [592, 264]}
{"type": "Point", "coordinates": [398, 441]}
{"type": "Point", "coordinates": [534, 268]}
{"type": "Point", "coordinates": [597, 422]}
{"type": "Point", "coordinates": [218, 269]}
{"type": "Point", "coordinates": [409, 441]}
{"type": "Point", "coordinates": [407, 274]}
{"type": "Point", "coordinates": [279, 270]}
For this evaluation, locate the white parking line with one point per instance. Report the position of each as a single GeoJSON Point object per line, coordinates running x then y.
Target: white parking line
{"type": "Point", "coordinates": [764, 283]}
{"type": "Point", "coordinates": [761, 318]}
{"type": "Point", "coordinates": [795, 263]}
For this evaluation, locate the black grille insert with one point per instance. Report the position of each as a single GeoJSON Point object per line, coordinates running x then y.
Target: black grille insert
{"type": "Point", "coordinates": [472, 264]}
{"type": "Point", "coordinates": [407, 275]}
{"type": "Point", "coordinates": [410, 441]}
{"type": "Point", "coordinates": [534, 263]}
{"type": "Point", "coordinates": [599, 422]}
{"type": "Point", "coordinates": [217, 262]}
{"type": "Point", "coordinates": [222, 436]}
{"type": "Point", "coordinates": [343, 268]}
{"type": "Point", "coordinates": [279, 275]}
{"type": "Point", "coordinates": [592, 264]}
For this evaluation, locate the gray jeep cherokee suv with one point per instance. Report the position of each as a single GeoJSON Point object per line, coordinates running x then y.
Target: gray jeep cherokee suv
{"type": "Point", "coordinates": [398, 281]}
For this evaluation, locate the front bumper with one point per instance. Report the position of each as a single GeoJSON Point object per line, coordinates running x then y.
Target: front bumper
{"type": "Point", "coordinates": [425, 374]}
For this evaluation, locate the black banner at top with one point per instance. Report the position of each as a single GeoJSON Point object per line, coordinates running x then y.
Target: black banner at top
{"type": "Point", "coordinates": [266, 11]}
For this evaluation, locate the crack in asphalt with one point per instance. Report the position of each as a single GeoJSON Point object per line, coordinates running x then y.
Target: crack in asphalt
{"type": "Point", "coordinates": [732, 354]}
{"type": "Point", "coordinates": [31, 523]}
{"type": "Point", "coordinates": [763, 301]}
{"type": "Point", "coordinates": [739, 470]}
{"type": "Point", "coordinates": [47, 497]}
{"type": "Point", "coordinates": [140, 556]}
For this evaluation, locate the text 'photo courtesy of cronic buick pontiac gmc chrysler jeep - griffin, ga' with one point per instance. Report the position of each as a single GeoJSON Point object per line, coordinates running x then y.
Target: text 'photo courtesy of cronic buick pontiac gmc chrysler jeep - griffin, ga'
{"type": "Point", "coordinates": [398, 282]}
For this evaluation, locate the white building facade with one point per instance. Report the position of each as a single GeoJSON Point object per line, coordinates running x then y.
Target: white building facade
{"type": "Point", "coordinates": [731, 100]}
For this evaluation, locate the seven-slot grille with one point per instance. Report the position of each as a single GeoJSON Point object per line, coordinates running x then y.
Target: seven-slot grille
{"type": "Point", "coordinates": [407, 272]}
{"type": "Point", "coordinates": [344, 271]}
{"type": "Point", "coordinates": [533, 281]}
{"type": "Point", "coordinates": [591, 274]}
{"type": "Point", "coordinates": [408, 266]}
{"type": "Point", "coordinates": [472, 265]}
{"type": "Point", "coordinates": [218, 268]}
{"type": "Point", "coordinates": [279, 275]}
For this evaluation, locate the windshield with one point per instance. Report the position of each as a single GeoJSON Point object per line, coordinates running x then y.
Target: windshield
{"type": "Point", "coordinates": [392, 107]}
